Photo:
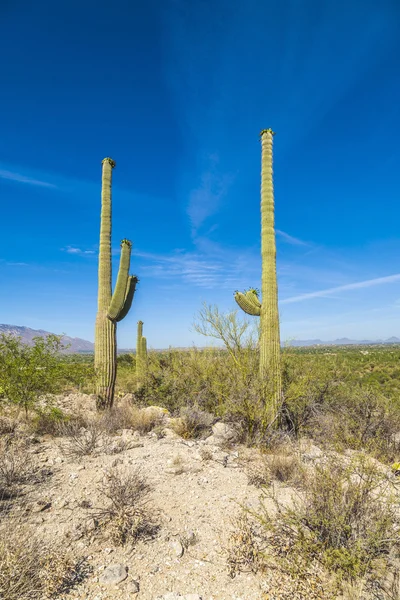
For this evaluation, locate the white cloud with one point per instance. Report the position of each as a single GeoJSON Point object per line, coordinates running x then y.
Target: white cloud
{"type": "Point", "coordinates": [204, 200]}
{"type": "Point", "coordinates": [78, 251]}
{"type": "Point", "coordinates": [342, 288]}
{"type": "Point", "coordinates": [291, 239]}
{"type": "Point", "coordinates": [10, 175]}
{"type": "Point", "coordinates": [194, 268]}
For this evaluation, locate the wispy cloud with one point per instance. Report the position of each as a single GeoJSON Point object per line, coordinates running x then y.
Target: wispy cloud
{"type": "Point", "coordinates": [291, 239]}
{"type": "Point", "coordinates": [342, 288]}
{"type": "Point", "coordinates": [192, 268]}
{"type": "Point", "coordinates": [205, 200]}
{"type": "Point", "coordinates": [12, 176]}
{"type": "Point", "coordinates": [77, 251]}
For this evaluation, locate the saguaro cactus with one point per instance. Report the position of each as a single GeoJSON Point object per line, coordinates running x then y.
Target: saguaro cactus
{"type": "Point", "coordinates": [112, 307]}
{"type": "Point", "coordinates": [267, 310]}
{"type": "Point", "coordinates": [141, 354]}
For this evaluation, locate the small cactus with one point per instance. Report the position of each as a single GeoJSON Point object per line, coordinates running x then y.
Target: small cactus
{"type": "Point", "coordinates": [141, 355]}
{"type": "Point", "coordinates": [112, 307]}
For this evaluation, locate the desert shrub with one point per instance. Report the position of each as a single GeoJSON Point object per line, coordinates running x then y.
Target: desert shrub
{"type": "Point", "coordinates": [345, 518]}
{"type": "Point", "coordinates": [31, 568]}
{"type": "Point", "coordinates": [30, 375]}
{"type": "Point", "coordinates": [126, 416]}
{"type": "Point", "coordinates": [16, 465]}
{"type": "Point", "coordinates": [258, 473]}
{"type": "Point", "coordinates": [77, 373]}
{"type": "Point", "coordinates": [285, 467]}
{"type": "Point", "coordinates": [244, 550]}
{"type": "Point", "coordinates": [193, 423]}
{"type": "Point", "coordinates": [47, 420]}
{"type": "Point", "coordinates": [126, 517]}
{"type": "Point", "coordinates": [82, 441]}
{"type": "Point", "coordinates": [8, 425]}
{"type": "Point", "coordinates": [360, 418]}
{"type": "Point", "coordinates": [126, 360]}
{"type": "Point", "coordinates": [307, 388]}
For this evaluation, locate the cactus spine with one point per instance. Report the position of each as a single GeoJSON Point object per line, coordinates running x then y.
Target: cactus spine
{"type": "Point", "coordinates": [141, 354]}
{"type": "Point", "coordinates": [270, 351]}
{"type": "Point", "coordinates": [112, 307]}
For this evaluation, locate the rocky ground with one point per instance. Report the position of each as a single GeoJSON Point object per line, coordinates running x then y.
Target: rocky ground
{"type": "Point", "coordinates": [196, 490]}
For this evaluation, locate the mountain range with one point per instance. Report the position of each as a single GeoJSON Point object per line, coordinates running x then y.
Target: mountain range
{"type": "Point", "coordinates": [26, 334]}
{"type": "Point", "coordinates": [342, 342]}
{"type": "Point", "coordinates": [77, 345]}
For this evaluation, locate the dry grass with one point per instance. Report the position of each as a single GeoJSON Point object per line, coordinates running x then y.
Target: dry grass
{"type": "Point", "coordinates": [206, 454]}
{"type": "Point", "coordinates": [258, 473]}
{"type": "Point", "coordinates": [83, 441]}
{"type": "Point", "coordinates": [247, 552]}
{"type": "Point", "coordinates": [31, 569]}
{"type": "Point", "coordinates": [284, 467]}
{"type": "Point", "coordinates": [16, 465]}
{"type": "Point", "coordinates": [193, 423]}
{"type": "Point", "coordinates": [126, 416]}
{"type": "Point", "coordinates": [244, 549]}
{"type": "Point", "coordinates": [127, 516]}
{"type": "Point", "coordinates": [8, 425]}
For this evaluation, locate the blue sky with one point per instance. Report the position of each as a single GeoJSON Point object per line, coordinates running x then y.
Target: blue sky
{"type": "Point", "coordinates": [176, 93]}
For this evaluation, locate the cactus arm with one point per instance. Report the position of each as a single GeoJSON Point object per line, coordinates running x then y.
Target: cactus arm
{"type": "Point", "coordinates": [119, 295]}
{"type": "Point", "coordinates": [252, 297]}
{"type": "Point", "coordinates": [247, 303]}
{"type": "Point", "coordinates": [130, 292]}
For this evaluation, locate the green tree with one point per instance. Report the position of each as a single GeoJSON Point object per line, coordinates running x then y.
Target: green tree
{"type": "Point", "coordinates": [30, 372]}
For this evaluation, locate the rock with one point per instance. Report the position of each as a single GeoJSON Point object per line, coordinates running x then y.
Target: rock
{"type": "Point", "coordinates": [114, 574]}
{"type": "Point", "coordinates": [396, 438]}
{"type": "Point", "coordinates": [190, 538]}
{"type": "Point", "coordinates": [170, 434]}
{"type": "Point", "coordinates": [41, 506]}
{"type": "Point", "coordinates": [212, 440]}
{"type": "Point", "coordinates": [177, 548]}
{"type": "Point", "coordinates": [133, 587]}
{"type": "Point", "coordinates": [309, 452]}
{"type": "Point", "coordinates": [155, 412]}
{"type": "Point", "coordinates": [127, 399]}
{"type": "Point", "coordinates": [223, 431]}
{"type": "Point", "coordinates": [177, 596]}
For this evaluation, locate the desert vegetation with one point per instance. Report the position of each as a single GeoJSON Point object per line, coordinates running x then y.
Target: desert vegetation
{"type": "Point", "coordinates": [238, 470]}
{"type": "Point", "coordinates": [324, 517]}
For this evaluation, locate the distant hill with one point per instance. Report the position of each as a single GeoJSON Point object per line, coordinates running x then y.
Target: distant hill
{"type": "Point", "coordinates": [27, 335]}
{"type": "Point", "coordinates": [343, 342]}
{"type": "Point", "coordinates": [77, 345]}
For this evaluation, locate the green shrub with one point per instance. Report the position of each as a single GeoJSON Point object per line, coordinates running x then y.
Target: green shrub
{"type": "Point", "coordinates": [48, 420]}
{"type": "Point", "coordinates": [345, 518]}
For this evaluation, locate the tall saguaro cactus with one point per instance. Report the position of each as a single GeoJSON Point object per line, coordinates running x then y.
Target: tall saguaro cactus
{"type": "Point", "coordinates": [141, 354]}
{"type": "Point", "coordinates": [111, 307]}
{"type": "Point", "coordinates": [267, 310]}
